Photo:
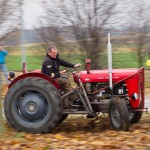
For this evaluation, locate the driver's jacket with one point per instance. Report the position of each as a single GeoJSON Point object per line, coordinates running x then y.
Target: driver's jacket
{"type": "Point", "coordinates": [51, 65]}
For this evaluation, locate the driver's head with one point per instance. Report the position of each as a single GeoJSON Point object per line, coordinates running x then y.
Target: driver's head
{"type": "Point", "coordinates": [52, 51]}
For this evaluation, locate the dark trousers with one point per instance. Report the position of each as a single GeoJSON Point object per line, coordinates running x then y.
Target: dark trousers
{"type": "Point", "coordinates": [66, 87]}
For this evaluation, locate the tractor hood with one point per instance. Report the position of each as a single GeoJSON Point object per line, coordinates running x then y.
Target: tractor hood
{"type": "Point", "coordinates": [103, 75]}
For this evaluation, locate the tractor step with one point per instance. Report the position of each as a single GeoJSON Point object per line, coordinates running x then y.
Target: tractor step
{"type": "Point", "coordinates": [74, 111]}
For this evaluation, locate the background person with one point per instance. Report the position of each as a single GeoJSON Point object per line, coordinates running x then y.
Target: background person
{"type": "Point", "coordinates": [3, 68]}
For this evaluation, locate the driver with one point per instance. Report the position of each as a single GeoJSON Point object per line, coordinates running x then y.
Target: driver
{"type": "Point", "coordinates": [51, 65]}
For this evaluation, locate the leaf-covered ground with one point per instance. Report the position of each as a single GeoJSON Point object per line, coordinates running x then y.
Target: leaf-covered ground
{"type": "Point", "coordinates": [79, 133]}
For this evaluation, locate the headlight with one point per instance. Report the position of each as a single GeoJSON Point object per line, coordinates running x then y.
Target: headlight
{"type": "Point", "coordinates": [134, 96]}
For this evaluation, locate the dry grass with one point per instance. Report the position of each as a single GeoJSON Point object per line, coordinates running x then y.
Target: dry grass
{"type": "Point", "coordinates": [27, 51]}
{"type": "Point", "coordinates": [147, 79]}
{"type": "Point", "coordinates": [147, 92]}
{"type": "Point", "coordinates": [121, 49]}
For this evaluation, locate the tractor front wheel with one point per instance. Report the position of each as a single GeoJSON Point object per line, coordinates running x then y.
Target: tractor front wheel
{"type": "Point", "coordinates": [118, 114]}
{"type": "Point", "coordinates": [33, 105]}
{"type": "Point", "coordinates": [135, 116]}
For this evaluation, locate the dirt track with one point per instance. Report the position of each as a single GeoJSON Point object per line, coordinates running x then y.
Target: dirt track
{"type": "Point", "coordinates": [79, 133]}
{"type": "Point", "coordinates": [76, 133]}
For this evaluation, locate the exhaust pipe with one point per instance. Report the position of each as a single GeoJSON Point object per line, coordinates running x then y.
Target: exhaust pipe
{"type": "Point", "coordinates": [88, 63]}
{"type": "Point", "coordinates": [24, 68]}
{"type": "Point", "coordinates": [109, 49]}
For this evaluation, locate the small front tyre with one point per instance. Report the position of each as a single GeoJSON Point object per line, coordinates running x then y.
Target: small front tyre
{"type": "Point", "coordinates": [118, 114]}
{"type": "Point", "coordinates": [134, 117]}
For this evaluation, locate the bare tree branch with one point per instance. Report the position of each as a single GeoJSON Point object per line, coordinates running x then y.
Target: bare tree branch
{"type": "Point", "coordinates": [139, 30]}
{"type": "Point", "coordinates": [88, 20]}
{"type": "Point", "coordinates": [9, 15]}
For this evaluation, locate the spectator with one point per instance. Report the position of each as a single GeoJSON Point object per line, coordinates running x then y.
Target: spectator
{"type": "Point", "coordinates": [3, 68]}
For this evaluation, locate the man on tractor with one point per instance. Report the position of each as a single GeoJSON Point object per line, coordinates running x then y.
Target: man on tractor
{"type": "Point", "coordinates": [51, 65]}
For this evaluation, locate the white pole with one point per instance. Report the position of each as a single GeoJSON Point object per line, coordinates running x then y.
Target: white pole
{"type": "Point", "coordinates": [22, 34]}
{"type": "Point", "coordinates": [109, 48]}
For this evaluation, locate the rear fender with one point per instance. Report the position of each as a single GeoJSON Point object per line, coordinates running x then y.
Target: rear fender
{"type": "Point", "coordinates": [35, 75]}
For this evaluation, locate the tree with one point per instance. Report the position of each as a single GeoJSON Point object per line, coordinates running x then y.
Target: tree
{"type": "Point", "coordinates": [8, 16]}
{"type": "Point", "coordinates": [139, 29]}
{"type": "Point", "coordinates": [88, 20]}
{"type": "Point", "coordinates": [50, 35]}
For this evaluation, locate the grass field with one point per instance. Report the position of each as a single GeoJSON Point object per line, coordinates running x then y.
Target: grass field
{"type": "Point", "coordinates": [122, 58]}
{"type": "Point", "coordinates": [34, 58]}
{"type": "Point", "coordinates": [15, 62]}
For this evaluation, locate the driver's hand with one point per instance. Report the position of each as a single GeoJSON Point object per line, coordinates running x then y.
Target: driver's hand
{"type": "Point", "coordinates": [62, 72]}
{"type": "Point", "coordinates": [77, 65]}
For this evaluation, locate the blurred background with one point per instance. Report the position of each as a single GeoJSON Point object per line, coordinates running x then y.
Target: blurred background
{"type": "Point", "coordinates": [78, 29]}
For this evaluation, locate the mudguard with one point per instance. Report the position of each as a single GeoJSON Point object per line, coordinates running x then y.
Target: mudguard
{"type": "Point", "coordinates": [135, 84]}
{"type": "Point", "coordinates": [35, 75]}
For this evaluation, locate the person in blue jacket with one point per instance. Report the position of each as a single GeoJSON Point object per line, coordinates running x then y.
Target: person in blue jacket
{"type": "Point", "coordinates": [3, 68]}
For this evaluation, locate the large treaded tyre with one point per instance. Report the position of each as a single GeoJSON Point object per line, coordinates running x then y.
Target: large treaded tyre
{"type": "Point", "coordinates": [33, 105]}
{"type": "Point", "coordinates": [118, 114]}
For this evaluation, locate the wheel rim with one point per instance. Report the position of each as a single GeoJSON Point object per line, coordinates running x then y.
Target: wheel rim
{"type": "Point", "coordinates": [32, 107]}
{"type": "Point", "coordinates": [115, 115]}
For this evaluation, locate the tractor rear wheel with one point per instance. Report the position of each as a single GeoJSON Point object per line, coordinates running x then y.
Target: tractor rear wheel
{"type": "Point", "coordinates": [33, 105]}
{"type": "Point", "coordinates": [118, 114]}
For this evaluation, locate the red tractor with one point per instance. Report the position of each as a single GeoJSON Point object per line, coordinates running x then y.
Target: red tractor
{"type": "Point", "coordinates": [35, 102]}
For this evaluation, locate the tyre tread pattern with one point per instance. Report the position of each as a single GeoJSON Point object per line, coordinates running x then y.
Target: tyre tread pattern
{"type": "Point", "coordinates": [121, 106]}
{"type": "Point", "coordinates": [49, 88]}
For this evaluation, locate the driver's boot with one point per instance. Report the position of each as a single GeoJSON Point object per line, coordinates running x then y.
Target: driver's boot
{"type": "Point", "coordinates": [66, 104]}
